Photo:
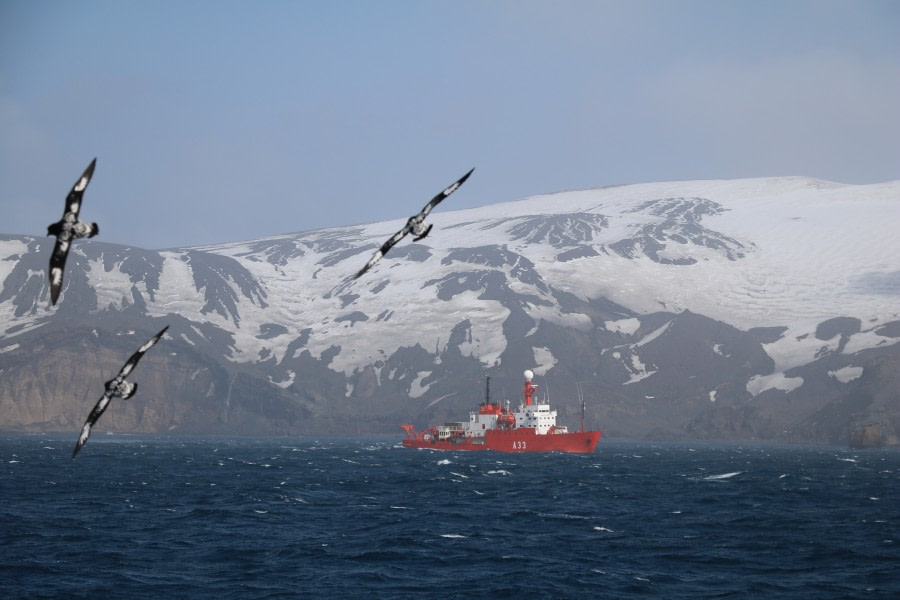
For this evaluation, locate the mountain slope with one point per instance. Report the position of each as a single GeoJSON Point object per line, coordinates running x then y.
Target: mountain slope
{"type": "Point", "coordinates": [708, 309]}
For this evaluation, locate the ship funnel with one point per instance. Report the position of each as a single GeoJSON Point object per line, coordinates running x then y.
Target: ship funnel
{"type": "Point", "coordinates": [529, 375]}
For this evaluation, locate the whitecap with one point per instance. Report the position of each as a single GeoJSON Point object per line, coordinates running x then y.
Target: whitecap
{"type": "Point", "coordinates": [499, 472]}
{"type": "Point", "coordinates": [454, 536]}
{"type": "Point", "coordinates": [562, 516]}
{"type": "Point", "coordinates": [722, 476]}
{"type": "Point", "coordinates": [459, 475]}
{"type": "Point", "coordinates": [443, 462]}
{"type": "Point", "coordinates": [603, 529]}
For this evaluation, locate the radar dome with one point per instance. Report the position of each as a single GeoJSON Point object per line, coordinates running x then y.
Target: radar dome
{"type": "Point", "coordinates": [529, 374]}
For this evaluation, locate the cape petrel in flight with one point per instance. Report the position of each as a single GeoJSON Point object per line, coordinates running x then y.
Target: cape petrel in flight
{"type": "Point", "coordinates": [415, 225]}
{"type": "Point", "coordinates": [116, 387]}
{"type": "Point", "coordinates": [67, 229]}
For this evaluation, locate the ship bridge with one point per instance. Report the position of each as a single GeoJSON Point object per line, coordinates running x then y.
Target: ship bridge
{"type": "Point", "coordinates": [537, 416]}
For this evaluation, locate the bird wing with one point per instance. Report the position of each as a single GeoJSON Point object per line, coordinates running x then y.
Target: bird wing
{"type": "Point", "coordinates": [99, 408]}
{"type": "Point", "coordinates": [73, 200]}
{"type": "Point", "coordinates": [383, 250]}
{"type": "Point", "coordinates": [110, 387]}
{"type": "Point", "coordinates": [132, 361]}
{"type": "Point", "coordinates": [450, 189]}
{"type": "Point", "coordinates": [58, 265]}
{"type": "Point", "coordinates": [406, 228]}
{"type": "Point", "coordinates": [63, 234]}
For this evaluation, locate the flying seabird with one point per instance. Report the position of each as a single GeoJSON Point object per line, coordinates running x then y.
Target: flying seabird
{"type": "Point", "coordinates": [67, 229]}
{"type": "Point", "coordinates": [415, 225]}
{"type": "Point", "coordinates": [115, 388]}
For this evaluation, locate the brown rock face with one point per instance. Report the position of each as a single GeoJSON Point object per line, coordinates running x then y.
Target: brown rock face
{"type": "Point", "coordinates": [866, 437]}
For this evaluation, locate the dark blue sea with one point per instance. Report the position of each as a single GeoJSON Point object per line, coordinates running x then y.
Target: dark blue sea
{"type": "Point", "coordinates": [162, 517]}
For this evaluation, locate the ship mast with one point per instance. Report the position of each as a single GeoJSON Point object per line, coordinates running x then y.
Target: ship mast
{"type": "Point", "coordinates": [582, 414]}
{"type": "Point", "coordinates": [529, 389]}
{"type": "Point", "coordinates": [581, 395]}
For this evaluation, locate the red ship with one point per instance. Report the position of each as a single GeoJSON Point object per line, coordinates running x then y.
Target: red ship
{"type": "Point", "coordinates": [530, 428]}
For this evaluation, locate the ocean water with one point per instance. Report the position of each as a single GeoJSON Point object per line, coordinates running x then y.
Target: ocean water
{"type": "Point", "coordinates": [162, 517]}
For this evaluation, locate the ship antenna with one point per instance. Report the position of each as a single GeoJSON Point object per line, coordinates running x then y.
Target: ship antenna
{"type": "Point", "coordinates": [487, 390]}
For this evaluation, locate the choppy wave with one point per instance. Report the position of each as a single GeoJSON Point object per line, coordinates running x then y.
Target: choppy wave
{"type": "Point", "coordinates": [161, 517]}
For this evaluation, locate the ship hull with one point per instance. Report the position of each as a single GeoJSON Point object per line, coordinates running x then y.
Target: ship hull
{"type": "Point", "coordinates": [516, 440]}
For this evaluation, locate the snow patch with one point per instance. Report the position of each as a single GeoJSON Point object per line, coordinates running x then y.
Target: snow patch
{"type": "Point", "coordinates": [638, 370]}
{"type": "Point", "coordinates": [416, 389]}
{"type": "Point", "coordinates": [626, 326]}
{"type": "Point", "coordinates": [760, 383]}
{"type": "Point", "coordinates": [799, 346]}
{"type": "Point", "coordinates": [544, 360]}
{"type": "Point", "coordinates": [847, 374]}
{"type": "Point", "coordinates": [284, 384]}
{"type": "Point", "coordinates": [865, 340]}
{"type": "Point", "coordinates": [553, 315]}
{"type": "Point", "coordinates": [655, 334]}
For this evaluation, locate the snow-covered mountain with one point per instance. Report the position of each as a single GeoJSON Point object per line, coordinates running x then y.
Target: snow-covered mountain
{"type": "Point", "coordinates": [761, 308]}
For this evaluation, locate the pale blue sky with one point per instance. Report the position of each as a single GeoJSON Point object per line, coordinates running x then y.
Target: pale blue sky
{"type": "Point", "coordinates": [220, 120]}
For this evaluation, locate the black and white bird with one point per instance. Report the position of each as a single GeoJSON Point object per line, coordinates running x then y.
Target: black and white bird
{"type": "Point", "coordinates": [116, 387]}
{"type": "Point", "coordinates": [415, 225]}
{"type": "Point", "coordinates": [67, 229]}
